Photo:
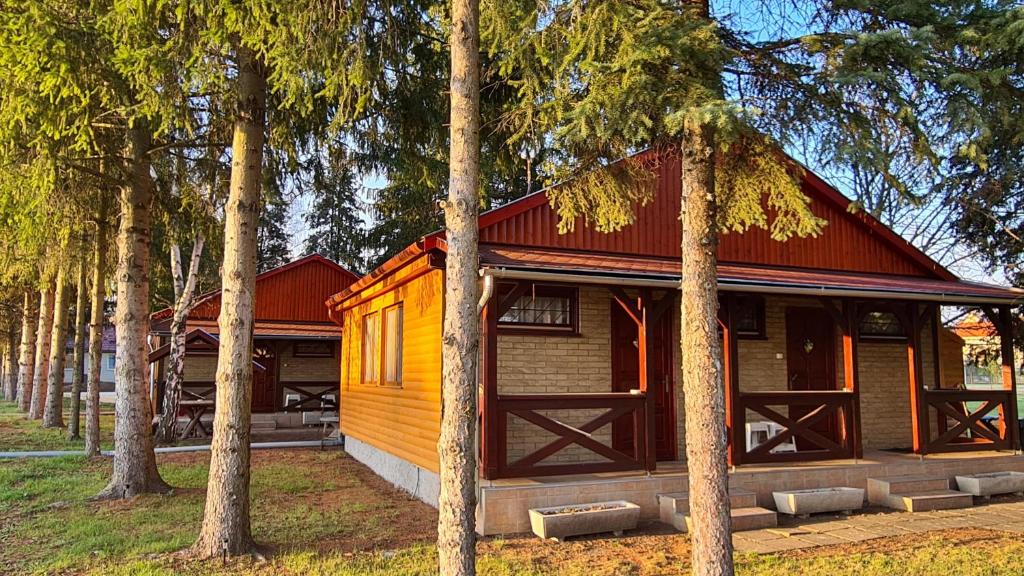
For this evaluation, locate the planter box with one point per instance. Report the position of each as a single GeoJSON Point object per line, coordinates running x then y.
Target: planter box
{"type": "Point", "coordinates": [986, 485]}
{"type": "Point", "coordinates": [815, 500]}
{"type": "Point", "coordinates": [559, 522]}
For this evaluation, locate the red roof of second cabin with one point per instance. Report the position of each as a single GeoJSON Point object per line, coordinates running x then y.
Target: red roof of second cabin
{"type": "Point", "coordinates": [289, 299]}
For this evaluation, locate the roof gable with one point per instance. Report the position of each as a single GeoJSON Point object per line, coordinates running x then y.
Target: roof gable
{"type": "Point", "coordinates": [851, 242]}
{"type": "Point", "coordinates": [292, 293]}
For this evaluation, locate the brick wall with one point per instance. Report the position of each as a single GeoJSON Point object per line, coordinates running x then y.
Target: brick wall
{"type": "Point", "coordinates": [559, 364]}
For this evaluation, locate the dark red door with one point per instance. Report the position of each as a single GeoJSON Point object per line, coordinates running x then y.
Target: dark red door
{"type": "Point", "coordinates": [810, 362]}
{"type": "Point", "coordinates": [264, 382]}
{"type": "Point", "coordinates": [625, 377]}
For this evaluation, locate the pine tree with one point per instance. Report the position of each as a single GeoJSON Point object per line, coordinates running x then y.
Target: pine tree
{"type": "Point", "coordinates": [272, 237]}
{"type": "Point", "coordinates": [334, 219]}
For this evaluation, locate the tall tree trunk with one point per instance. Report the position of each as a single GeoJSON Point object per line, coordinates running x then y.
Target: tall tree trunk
{"type": "Point", "coordinates": [701, 358]}
{"type": "Point", "coordinates": [11, 369]}
{"type": "Point", "coordinates": [99, 285]}
{"type": "Point", "coordinates": [135, 469]}
{"type": "Point", "coordinates": [42, 354]}
{"type": "Point", "coordinates": [456, 533]}
{"type": "Point", "coordinates": [26, 358]}
{"type": "Point", "coordinates": [226, 527]}
{"type": "Point", "coordinates": [53, 414]}
{"type": "Point", "coordinates": [81, 328]}
{"type": "Point", "coordinates": [183, 292]}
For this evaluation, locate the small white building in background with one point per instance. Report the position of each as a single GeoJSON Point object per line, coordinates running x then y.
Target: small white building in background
{"type": "Point", "coordinates": [107, 361]}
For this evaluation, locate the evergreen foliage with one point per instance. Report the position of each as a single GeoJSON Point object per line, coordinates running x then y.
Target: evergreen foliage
{"type": "Point", "coordinates": [334, 218]}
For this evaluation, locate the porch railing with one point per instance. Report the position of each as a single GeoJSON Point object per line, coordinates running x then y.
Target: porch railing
{"type": "Point", "coordinates": [797, 414]}
{"type": "Point", "coordinates": [309, 399]}
{"type": "Point", "coordinates": [969, 420]}
{"type": "Point", "coordinates": [528, 407]}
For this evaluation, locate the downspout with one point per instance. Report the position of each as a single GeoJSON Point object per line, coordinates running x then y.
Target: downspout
{"type": "Point", "coordinates": [486, 292]}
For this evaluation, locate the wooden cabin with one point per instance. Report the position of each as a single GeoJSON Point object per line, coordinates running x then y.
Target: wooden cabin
{"type": "Point", "coordinates": [295, 349]}
{"type": "Point", "coordinates": [833, 350]}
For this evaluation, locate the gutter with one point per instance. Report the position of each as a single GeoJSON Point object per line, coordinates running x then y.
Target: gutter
{"type": "Point", "coordinates": [765, 287]}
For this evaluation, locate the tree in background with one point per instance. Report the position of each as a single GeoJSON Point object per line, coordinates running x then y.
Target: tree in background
{"type": "Point", "coordinates": [26, 354]}
{"type": "Point", "coordinates": [334, 219]}
{"type": "Point", "coordinates": [81, 337]}
{"type": "Point", "coordinates": [272, 237]}
{"type": "Point", "coordinates": [984, 186]}
{"type": "Point", "coordinates": [53, 411]}
{"type": "Point", "coordinates": [41, 371]}
{"type": "Point", "coordinates": [405, 140]}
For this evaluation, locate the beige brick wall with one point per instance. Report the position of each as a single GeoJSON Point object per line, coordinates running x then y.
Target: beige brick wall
{"type": "Point", "coordinates": [559, 364]}
{"type": "Point", "coordinates": [551, 364]}
{"type": "Point", "coordinates": [200, 367]}
{"type": "Point", "coordinates": [292, 369]}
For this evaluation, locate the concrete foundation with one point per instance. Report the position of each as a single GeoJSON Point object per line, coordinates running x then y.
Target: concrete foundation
{"type": "Point", "coordinates": [422, 484]}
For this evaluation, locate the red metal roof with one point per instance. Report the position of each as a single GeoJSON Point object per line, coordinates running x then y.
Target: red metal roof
{"type": "Point", "coordinates": [292, 293]}
{"type": "Point", "coordinates": [747, 275]}
{"type": "Point", "coordinates": [851, 241]}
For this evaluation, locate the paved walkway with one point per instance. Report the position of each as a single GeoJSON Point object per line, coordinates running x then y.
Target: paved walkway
{"type": "Point", "coordinates": [823, 530]}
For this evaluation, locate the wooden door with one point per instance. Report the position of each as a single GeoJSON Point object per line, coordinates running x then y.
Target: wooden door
{"type": "Point", "coordinates": [264, 382]}
{"type": "Point", "coordinates": [626, 377]}
{"type": "Point", "coordinates": [810, 362]}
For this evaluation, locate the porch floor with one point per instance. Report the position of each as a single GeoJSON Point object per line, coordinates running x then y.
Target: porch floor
{"type": "Point", "coordinates": [678, 467]}
{"type": "Point", "coordinates": [504, 503]}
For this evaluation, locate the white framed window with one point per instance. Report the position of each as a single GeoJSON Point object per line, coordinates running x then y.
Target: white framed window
{"type": "Point", "coordinates": [111, 361]}
{"type": "Point", "coordinates": [391, 354]}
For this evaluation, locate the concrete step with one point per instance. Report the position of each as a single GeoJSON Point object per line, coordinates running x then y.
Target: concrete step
{"type": "Point", "coordinates": [930, 500]}
{"type": "Point", "coordinates": [674, 510]}
{"type": "Point", "coordinates": [742, 519]}
{"type": "Point", "coordinates": [879, 489]}
{"type": "Point", "coordinates": [679, 502]}
{"type": "Point", "coordinates": [264, 425]}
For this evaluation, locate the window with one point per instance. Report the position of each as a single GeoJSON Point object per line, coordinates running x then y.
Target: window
{"type": "Point", "coordinates": [881, 325]}
{"type": "Point", "coordinates": [111, 361]}
{"type": "Point", "coordinates": [313, 349]}
{"type": "Point", "coordinates": [749, 321]}
{"type": "Point", "coordinates": [541, 308]}
{"type": "Point", "coordinates": [371, 339]}
{"type": "Point", "coordinates": [392, 352]}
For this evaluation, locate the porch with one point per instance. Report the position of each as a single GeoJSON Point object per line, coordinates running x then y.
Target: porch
{"type": "Point", "coordinates": [504, 503]}
{"type": "Point", "coordinates": [798, 385]}
{"type": "Point", "coordinates": [294, 381]}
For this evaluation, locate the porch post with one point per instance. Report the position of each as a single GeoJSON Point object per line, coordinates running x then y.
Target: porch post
{"type": "Point", "coordinates": [851, 326]}
{"type": "Point", "coordinates": [1009, 418]}
{"type": "Point", "coordinates": [942, 424]}
{"type": "Point", "coordinates": [490, 451]}
{"type": "Point", "coordinates": [644, 375]}
{"type": "Point", "coordinates": [918, 416]}
{"type": "Point", "coordinates": [730, 375]}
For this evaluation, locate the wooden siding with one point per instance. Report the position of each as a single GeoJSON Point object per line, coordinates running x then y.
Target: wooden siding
{"type": "Point", "coordinates": [293, 293]}
{"type": "Point", "coordinates": [404, 421]}
{"type": "Point", "coordinates": [850, 242]}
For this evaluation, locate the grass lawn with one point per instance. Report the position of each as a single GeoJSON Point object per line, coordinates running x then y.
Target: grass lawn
{"type": "Point", "coordinates": [321, 513]}
{"type": "Point", "coordinates": [19, 434]}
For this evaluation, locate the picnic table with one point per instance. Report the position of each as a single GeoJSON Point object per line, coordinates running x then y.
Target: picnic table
{"type": "Point", "coordinates": [195, 410]}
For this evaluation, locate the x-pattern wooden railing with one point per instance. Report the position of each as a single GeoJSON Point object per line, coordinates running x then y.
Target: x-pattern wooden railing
{"type": "Point", "coordinates": [309, 399]}
{"type": "Point", "coordinates": [528, 407]}
{"type": "Point", "coordinates": [970, 432]}
{"type": "Point", "coordinates": [818, 405]}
